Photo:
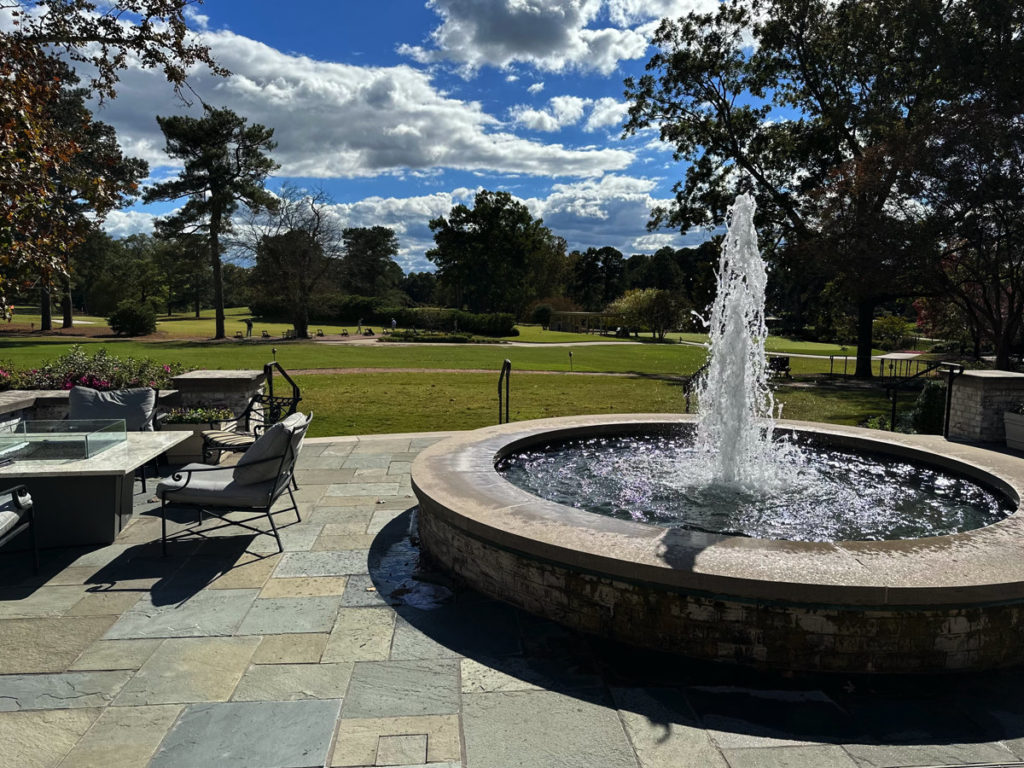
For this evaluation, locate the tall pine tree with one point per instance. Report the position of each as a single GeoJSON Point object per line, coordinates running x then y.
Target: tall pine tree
{"type": "Point", "coordinates": [225, 163]}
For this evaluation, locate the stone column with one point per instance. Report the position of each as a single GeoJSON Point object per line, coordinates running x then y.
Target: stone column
{"type": "Point", "coordinates": [221, 389]}
{"type": "Point", "coordinates": [978, 401]}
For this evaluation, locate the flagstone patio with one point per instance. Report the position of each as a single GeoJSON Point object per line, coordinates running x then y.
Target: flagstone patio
{"type": "Point", "coordinates": [346, 650]}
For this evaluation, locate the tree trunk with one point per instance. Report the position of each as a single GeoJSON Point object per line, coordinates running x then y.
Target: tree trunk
{"type": "Point", "coordinates": [65, 303]}
{"type": "Point", "coordinates": [865, 317]}
{"type": "Point", "coordinates": [218, 275]}
{"type": "Point", "coordinates": [45, 312]}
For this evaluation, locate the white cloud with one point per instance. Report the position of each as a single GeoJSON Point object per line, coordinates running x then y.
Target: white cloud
{"type": "Point", "coordinates": [124, 223]}
{"type": "Point", "coordinates": [335, 120]}
{"type": "Point", "coordinates": [551, 35]}
{"type": "Point", "coordinates": [612, 210]}
{"type": "Point", "coordinates": [606, 112]}
{"type": "Point", "coordinates": [535, 88]}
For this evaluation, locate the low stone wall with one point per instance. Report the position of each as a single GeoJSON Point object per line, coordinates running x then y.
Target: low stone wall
{"type": "Point", "coordinates": [222, 389]}
{"type": "Point", "coordinates": [767, 634]}
{"type": "Point", "coordinates": [978, 401]}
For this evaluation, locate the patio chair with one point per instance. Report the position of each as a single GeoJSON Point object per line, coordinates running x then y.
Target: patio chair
{"type": "Point", "coordinates": [16, 515]}
{"type": "Point", "coordinates": [261, 412]}
{"type": "Point", "coordinates": [136, 406]}
{"type": "Point", "coordinates": [254, 484]}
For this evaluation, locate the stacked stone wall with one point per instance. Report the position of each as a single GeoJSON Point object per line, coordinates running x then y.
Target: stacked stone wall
{"type": "Point", "coordinates": [979, 399]}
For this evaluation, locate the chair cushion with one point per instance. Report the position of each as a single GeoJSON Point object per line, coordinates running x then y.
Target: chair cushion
{"type": "Point", "coordinates": [9, 517]}
{"type": "Point", "coordinates": [254, 466]}
{"type": "Point", "coordinates": [135, 406]}
{"type": "Point", "coordinates": [216, 488]}
{"type": "Point", "coordinates": [238, 441]}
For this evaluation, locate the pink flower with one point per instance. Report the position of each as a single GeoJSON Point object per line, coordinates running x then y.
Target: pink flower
{"type": "Point", "coordinates": [167, 368]}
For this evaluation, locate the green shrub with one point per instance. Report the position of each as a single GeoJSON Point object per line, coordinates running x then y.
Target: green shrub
{"type": "Point", "coordinates": [197, 414]}
{"type": "Point", "coordinates": [928, 414]}
{"type": "Point", "coordinates": [890, 332]}
{"type": "Point", "coordinates": [130, 319]}
{"type": "Point", "coordinates": [541, 315]}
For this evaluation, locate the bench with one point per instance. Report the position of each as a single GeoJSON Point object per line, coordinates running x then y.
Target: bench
{"type": "Point", "coordinates": [778, 367]}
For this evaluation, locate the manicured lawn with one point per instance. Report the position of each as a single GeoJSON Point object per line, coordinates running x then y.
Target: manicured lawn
{"type": "Point", "coordinates": [368, 403]}
{"type": "Point", "coordinates": [296, 355]}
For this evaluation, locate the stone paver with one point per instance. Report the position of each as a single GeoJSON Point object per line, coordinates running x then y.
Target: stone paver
{"type": "Point", "coordinates": [66, 690]}
{"type": "Point", "coordinates": [308, 564]}
{"type": "Point", "coordinates": [528, 727]}
{"type": "Point", "coordinates": [256, 734]}
{"type": "Point", "coordinates": [290, 682]}
{"type": "Point", "coordinates": [116, 654]}
{"type": "Point", "coordinates": [40, 739]}
{"type": "Point", "coordinates": [395, 688]}
{"type": "Point", "coordinates": [210, 612]}
{"type": "Point", "coordinates": [47, 645]}
{"type": "Point", "coordinates": [361, 634]}
{"type": "Point", "coordinates": [279, 615]}
{"type": "Point", "coordinates": [123, 737]}
{"type": "Point", "coordinates": [348, 650]}
{"type": "Point", "coordinates": [190, 669]}
{"type": "Point", "coordinates": [291, 649]}
{"type": "Point", "coordinates": [358, 740]}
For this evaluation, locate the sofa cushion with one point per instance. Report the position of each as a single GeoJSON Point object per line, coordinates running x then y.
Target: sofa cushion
{"type": "Point", "coordinates": [135, 406]}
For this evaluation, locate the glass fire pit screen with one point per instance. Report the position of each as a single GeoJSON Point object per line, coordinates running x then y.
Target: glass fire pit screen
{"type": "Point", "coordinates": [60, 440]}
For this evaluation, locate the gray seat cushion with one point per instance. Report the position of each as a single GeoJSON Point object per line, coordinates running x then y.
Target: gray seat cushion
{"type": "Point", "coordinates": [257, 464]}
{"type": "Point", "coordinates": [214, 488]}
{"type": "Point", "coordinates": [9, 517]}
{"type": "Point", "coordinates": [135, 406]}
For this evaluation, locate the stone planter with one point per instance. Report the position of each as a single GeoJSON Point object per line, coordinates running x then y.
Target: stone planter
{"type": "Point", "coordinates": [190, 450]}
{"type": "Point", "coordinates": [1014, 423]}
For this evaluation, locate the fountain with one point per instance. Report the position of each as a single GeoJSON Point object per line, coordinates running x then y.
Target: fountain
{"type": "Point", "coordinates": [874, 595]}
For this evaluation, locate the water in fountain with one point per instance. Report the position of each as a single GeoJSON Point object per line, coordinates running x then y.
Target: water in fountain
{"type": "Point", "coordinates": [736, 476]}
{"type": "Point", "coordinates": [735, 423]}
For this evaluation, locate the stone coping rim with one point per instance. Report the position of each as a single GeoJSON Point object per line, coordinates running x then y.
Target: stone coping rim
{"type": "Point", "coordinates": [456, 480]}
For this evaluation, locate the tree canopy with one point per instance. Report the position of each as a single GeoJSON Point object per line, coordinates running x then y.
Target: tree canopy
{"type": "Point", "coordinates": [225, 163]}
{"type": "Point", "coordinates": [824, 110]}
{"type": "Point", "coordinates": [35, 145]}
{"type": "Point", "coordinates": [495, 257]}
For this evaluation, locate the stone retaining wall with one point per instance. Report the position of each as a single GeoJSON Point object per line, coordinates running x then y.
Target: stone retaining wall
{"type": "Point", "coordinates": [978, 401]}
{"type": "Point", "coordinates": [766, 634]}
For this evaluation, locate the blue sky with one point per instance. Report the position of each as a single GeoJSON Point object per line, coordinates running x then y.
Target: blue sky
{"type": "Point", "coordinates": [400, 109]}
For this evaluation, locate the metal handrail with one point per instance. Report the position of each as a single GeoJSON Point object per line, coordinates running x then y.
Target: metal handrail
{"type": "Point", "coordinates": [895, 384]}
{"type": "Point", "coordinates": [268, 371]}
{"type": "Point", "coordinates": [506, 375]}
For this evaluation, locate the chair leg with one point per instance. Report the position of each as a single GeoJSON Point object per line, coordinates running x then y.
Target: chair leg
{"type": "Point", "coordinates": [273, 527]}
{"type": "Point", "coordinates": [35, 542]}
{"type": "Point", "coordinates": [163, 526]}
{"type": "Point", "coordinates": [295, 505]}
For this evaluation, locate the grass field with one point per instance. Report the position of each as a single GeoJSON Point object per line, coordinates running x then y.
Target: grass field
{"type": "Point", "coordinates": [379, 398]}
{"type": "Point", "coordinates": [368, 403]}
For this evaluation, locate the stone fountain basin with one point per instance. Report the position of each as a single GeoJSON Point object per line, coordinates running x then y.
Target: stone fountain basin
{"type": "Point", "coordinates": [941, 603]}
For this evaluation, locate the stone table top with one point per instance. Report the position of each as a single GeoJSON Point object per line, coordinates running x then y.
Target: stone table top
{"type": "Point", "coordinates": [121, 459]}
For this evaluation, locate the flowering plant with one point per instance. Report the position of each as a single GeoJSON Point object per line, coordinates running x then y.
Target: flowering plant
{"type": "Point", "coordinates": [100, 370]}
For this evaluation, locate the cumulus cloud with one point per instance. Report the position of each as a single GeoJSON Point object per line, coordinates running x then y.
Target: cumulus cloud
{"type": "Point", "coordinates": [336, 120]}
{"type": "Point", "coordinates": [535, 88]}
{"type": "Point", "coordinates": [611, 211]}
{"type": "Point", "coordinates": [562, 111]}
{"type": "Point", "coordinates": [551, 35]}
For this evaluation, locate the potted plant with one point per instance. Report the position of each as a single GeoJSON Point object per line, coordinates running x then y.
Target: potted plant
{"type": "Point", "coordinates": [194, 419]}
{"type": "Point", "coordinates": [1014, 422]}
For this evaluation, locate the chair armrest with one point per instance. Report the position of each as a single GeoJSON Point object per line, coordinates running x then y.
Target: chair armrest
{"type": "Point", "coordinates": [20, 496]}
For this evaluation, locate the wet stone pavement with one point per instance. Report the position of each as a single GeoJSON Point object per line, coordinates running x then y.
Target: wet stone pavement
{"type": "Point", "coordinates": [347, 650]}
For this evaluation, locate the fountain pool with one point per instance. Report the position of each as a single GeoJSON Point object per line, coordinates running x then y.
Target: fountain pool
{"type": "Point", "coordinates": [843, 581]}
{"type": "Point", "coordinates": [940, 603]}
